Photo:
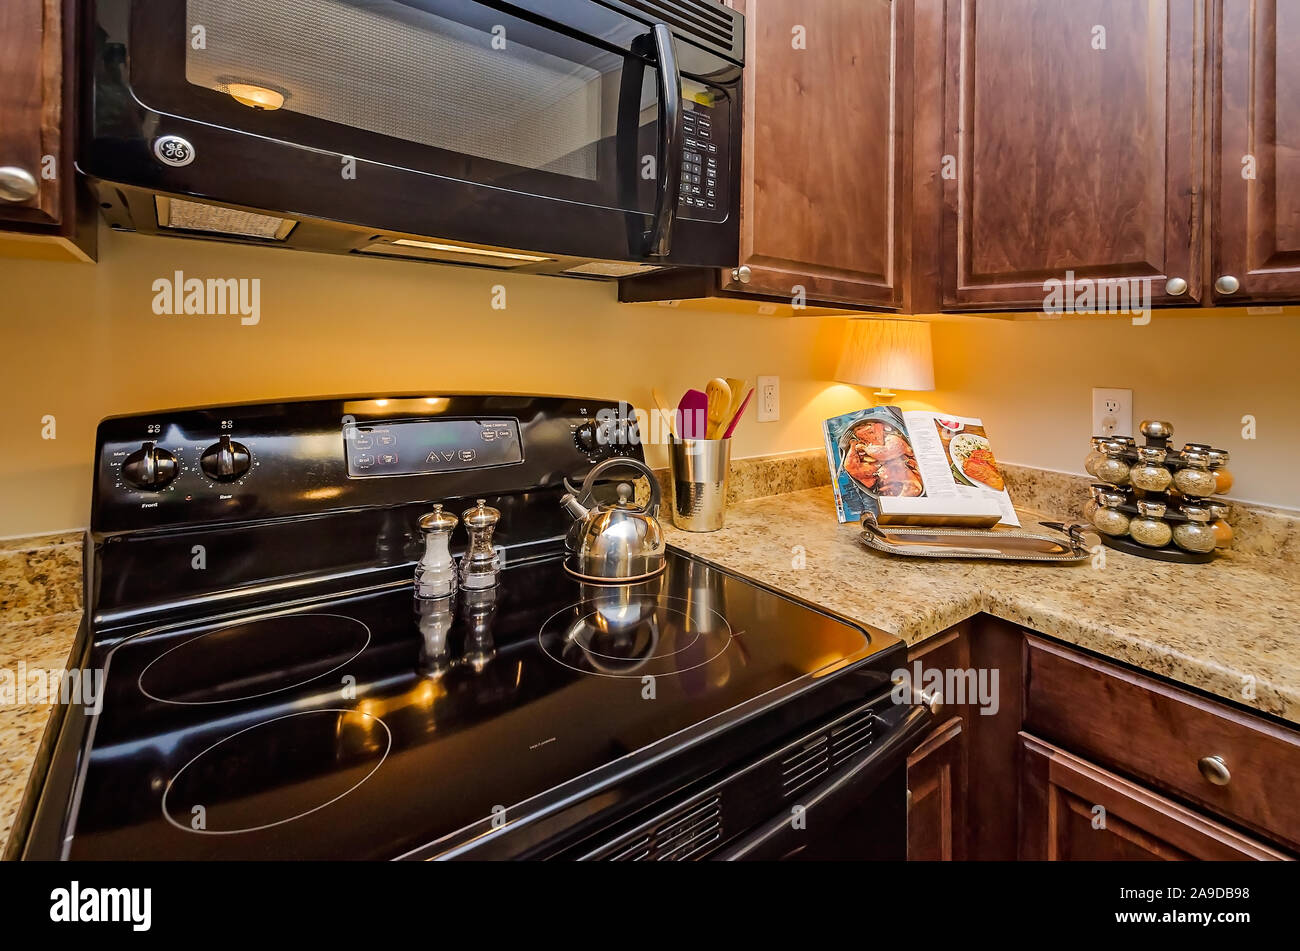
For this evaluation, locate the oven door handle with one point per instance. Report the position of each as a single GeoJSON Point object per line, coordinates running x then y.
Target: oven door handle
{"type": "Point", "coordinates": [778, 837]}
{"type": "Point", "coordinates": [670, 141]}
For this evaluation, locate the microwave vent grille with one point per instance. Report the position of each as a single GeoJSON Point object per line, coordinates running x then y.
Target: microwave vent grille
{"type": "Point", "coordinates": [707, 21]}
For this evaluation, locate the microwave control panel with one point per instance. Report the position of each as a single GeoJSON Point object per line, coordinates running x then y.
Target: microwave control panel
{"type": "Point", "coordinates": [706, 158]}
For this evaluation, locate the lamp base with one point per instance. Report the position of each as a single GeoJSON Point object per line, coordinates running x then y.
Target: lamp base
{"type": "Point", "coordinates": [884, 396]}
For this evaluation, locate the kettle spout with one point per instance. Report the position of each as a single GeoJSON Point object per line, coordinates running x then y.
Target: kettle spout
{"type": "Point", "coordinates": [574, 507]}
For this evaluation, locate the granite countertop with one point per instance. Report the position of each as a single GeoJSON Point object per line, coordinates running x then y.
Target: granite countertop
{"type": "Point", "coordinates": [40, 611]}
{"type": "Point", "coordinates": [1231, 627]}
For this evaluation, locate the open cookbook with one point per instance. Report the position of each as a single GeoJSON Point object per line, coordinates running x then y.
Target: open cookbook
{"type": "Point", "coordinates": [915, 468]}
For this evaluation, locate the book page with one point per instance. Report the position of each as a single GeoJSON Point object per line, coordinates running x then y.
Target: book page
{"type": "Point", "coordinates": [956, 457]}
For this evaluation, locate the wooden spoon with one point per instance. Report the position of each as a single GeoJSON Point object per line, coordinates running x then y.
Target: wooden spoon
{"type": "Point", "coordinates": [719, 394]}
{"type": "Point", "coordinates": [669, 416]}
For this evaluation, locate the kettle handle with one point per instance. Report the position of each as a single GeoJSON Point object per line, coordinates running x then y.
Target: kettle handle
{"type": "Point", "coordinates": [656, 494]}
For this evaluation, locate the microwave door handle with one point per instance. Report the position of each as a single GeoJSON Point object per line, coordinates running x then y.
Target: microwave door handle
{"type": "Point", "coordinates": [670, 141]}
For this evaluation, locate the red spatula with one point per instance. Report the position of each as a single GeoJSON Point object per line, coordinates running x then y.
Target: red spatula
{"type": "Point", "coordinates": [694, 413]}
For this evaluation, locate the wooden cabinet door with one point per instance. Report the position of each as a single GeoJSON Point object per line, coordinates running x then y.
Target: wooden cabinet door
{"type": "Point", "coordinates": [936, 788]}
{"type": "Point", "coordinates": [1073, 142]}
{"type": "Point", "coordinates": [31, 90]}
{"type": "Point", "coordinates": [1073, 810]}
{"type": "Point", "coordinates": [822, 154]}
{"type": "Point", "coordinates": [1256, 151]}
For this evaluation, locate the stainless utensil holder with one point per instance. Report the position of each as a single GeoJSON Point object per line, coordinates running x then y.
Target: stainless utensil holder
{"type": "Point", "coordinates": [701, 472]}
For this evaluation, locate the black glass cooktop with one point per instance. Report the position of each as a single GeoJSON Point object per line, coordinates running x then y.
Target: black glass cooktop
{"type": "Point", "coordinates": [370, 726]}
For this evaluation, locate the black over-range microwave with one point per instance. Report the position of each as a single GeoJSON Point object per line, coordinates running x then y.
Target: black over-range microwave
{"type": "Point", "coordinates": [592, 138]}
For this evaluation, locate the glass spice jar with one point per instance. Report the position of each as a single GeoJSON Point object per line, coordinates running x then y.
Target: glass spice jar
{"type": "Point", "coordinates": [1095, 455]}
{"type": "Point", "coordinates": [1150, 473]}
{"type": "Point", "coordinates": [1150, 527]}
{"type": "Point", "coordinates": [1196, 534]}
{"type": "Point", "coordinates": [1219, 466]}
{"type": "Point", "coordinates": [1222, 530]}
{"type": "Point", "coordinates": [1112, 467]}
{"type": "Point", "coordinates": [1108, 518]}
{"type": "Point", "coordinates": [1195, 478]}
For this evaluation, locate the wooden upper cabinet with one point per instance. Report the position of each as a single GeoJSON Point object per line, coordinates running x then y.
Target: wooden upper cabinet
{"type": "Point", "coordinates": [822, 159]}
{"type": "Point", "coordinates": [31, 64]}
{"type": "Point", "coordinates": [1067, 156]}
{"type": "Point", "coordinates": [43, 213]}
{"type": "Point", "coordinates": [1256, 47]}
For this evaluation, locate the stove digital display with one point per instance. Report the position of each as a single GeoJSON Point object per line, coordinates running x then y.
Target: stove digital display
{"type": "Point", "coordinates": [419, 446]}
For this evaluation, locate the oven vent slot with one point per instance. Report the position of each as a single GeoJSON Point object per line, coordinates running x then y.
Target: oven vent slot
{"type": "Point", "coordinates": [687, 833]}
{"type": "Point", "coordinates": [805, 765]}
{"type": "Point", "coordinates": [851, 736]}
{"type": "Point", "coordinates": [706, 20]}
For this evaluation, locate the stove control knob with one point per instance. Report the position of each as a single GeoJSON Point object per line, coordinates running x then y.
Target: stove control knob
{"type": "Point", "coordinates": [587, 438]}
{"type": "Point", "coordinates": [225, 461]}
{"type": "Point", "coordinates": [149, 467]}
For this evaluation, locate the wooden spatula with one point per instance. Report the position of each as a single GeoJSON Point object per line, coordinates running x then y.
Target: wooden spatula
{"type": "Point", "coordinates": [719, 394]}
{"type": "Point", "coordinates": [670, 418]}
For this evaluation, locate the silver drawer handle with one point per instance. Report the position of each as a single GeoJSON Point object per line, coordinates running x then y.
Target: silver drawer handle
{"type": "Point", "coordinates": [1227, 284]}
{"type": "Point", "coordinates": [17, 184]}
{"type": "Point", "coordinates": [1214, 769]}
{"type": "Point", "coordinates": [742, 274]}
{"type": "Point", "coordinates": [1176, 287]}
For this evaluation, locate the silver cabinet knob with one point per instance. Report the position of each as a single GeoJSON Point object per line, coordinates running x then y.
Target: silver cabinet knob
{"type": "Point", "coordinates": [1214, 769]}
{"type": "Point", "coordinates": [742, 275]}
{"type": "Point", "coordinates": [1227, 284]}
{"type": "Point", "coordinates": [1175, 287]}
{"type": "Point", "coordinates": [17, 184]}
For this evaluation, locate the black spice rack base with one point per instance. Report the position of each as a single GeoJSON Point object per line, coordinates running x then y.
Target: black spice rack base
{"type": "Point", "coordinates": [1170, 553]}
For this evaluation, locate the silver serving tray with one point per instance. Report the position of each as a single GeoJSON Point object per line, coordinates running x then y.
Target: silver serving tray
{"type": "Point", "coordinates": [1065, 543]}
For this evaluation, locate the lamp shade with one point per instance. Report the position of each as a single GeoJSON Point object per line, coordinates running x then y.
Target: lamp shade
{"type": "Point", "coordinates": [888, 354]}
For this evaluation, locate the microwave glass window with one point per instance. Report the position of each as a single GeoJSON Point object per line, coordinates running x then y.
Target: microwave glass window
{"type": "Point", "coordinates": [460, 77]}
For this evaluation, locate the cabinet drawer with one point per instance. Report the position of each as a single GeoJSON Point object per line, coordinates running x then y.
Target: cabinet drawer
{"type": "Point", "coordinates": [1161, 734]}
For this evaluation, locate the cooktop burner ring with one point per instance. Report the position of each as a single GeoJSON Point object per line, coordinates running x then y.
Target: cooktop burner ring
{"type": "Point", "coordinates": [587, 648]}
{"type": "Point", "coordinates": [724, 633]}
{"type": "Point", "coordinates": [360, 627]}
{"type": "Point", "coordinates": [388, 746]}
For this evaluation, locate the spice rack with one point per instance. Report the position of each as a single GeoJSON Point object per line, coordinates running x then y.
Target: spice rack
{"type": "Point", "coordinates": [1158, 502]}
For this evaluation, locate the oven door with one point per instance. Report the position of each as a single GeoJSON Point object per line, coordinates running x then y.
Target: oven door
{"type": "Point", "coordinates": [560, 127]}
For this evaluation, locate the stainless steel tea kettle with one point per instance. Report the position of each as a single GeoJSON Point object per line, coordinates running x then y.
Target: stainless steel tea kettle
{"type": "Point", "coordinates": [618, 542]}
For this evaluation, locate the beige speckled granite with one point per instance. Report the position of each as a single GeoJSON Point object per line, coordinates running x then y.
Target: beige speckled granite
{"type": "Point", "coordinates": [1260, 530]}
{"type": "Point", "coordinates": [39, 576]}
{"type": "Point", "coordinates": [1231, 628]}
{"type": "Point", "coordinates": [40, 610]}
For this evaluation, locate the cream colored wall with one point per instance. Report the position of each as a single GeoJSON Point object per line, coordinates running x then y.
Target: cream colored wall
{"type": "Point", "coordinates": [81, 342]}
{"type": "Point", "coordinates": [1031, 381]}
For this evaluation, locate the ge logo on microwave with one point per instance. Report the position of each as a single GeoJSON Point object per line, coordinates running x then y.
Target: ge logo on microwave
{"type": "Point", "coordinates": [173, 150]}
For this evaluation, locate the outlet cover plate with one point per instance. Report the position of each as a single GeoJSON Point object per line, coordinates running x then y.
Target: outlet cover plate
{"type": "Point", "coordinates": [768, 398]}
{"type": "Point", "coordinates": [1112, 412]}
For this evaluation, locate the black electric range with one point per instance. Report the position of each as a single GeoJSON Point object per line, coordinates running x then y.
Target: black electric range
{"type": "Point", "coordinates": [273, 690]}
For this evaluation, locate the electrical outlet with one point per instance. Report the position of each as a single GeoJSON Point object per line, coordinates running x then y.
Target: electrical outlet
{"type": "Point", "coordinates": [1112, 412]}
{"type": "Point", "coordinates": [769, 399]}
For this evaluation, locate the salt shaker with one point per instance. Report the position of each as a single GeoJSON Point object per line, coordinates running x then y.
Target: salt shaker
{"type": "Point", "coordinates": [480, 566]}
{"type": "Point", "coordinates": [435, 575]}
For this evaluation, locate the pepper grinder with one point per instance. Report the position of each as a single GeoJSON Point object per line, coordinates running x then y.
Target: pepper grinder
{"type": "Point", "coordinates": [479, 567]}
{"type": "Point", "coordinates": [435, 575]}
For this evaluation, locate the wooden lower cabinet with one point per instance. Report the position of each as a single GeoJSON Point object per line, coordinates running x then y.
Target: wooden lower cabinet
{"type": "Point", "coordinates": [936, 804]}
{"type": "Point", "coordinates": [1073, 810]}
{"type": "Point", "coordinates": [1085, 759]}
